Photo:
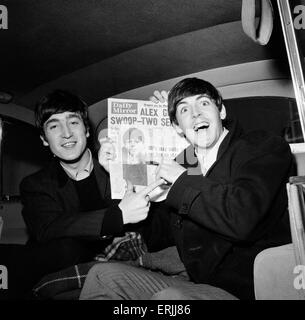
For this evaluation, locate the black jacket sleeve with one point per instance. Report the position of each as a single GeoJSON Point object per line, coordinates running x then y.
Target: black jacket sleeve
{"type": "Point", "coordinates": [236, 207]}
{"type": "Point", "coordinates": [47, 217]}
{"type": "Point", "coordinates": [156, 228]}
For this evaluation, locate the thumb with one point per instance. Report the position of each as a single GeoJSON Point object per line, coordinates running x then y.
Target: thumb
{"type": "Point", "coordinates": [129, 187]}
{"type": "Point", "coordinates": [152, 186]}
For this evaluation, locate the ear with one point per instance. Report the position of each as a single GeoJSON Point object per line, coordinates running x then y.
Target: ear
{"type": "Point", "coordinates": [44, 141]}
{"type": "Point", "coordinates": [223, 112]}
{"type": "Point", "coordinates": [178, 129]}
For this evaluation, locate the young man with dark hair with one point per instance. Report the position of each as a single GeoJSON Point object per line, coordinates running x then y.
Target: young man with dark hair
{"type": "Point", "coordinates": [67, 206]}
{"type": "Point", "coordinates": [227, 202]}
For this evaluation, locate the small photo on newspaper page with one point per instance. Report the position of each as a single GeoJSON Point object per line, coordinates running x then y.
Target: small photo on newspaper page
{"type": "Point", "coordinates": [142, 136]}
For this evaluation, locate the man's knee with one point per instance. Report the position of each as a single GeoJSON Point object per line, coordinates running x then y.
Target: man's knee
{"type": "Point", "coordinates": [170, 293]}
{"type": "Point", "coordinates": [107, 271]}
{"type": "Point", "coordinates": [100, 269]}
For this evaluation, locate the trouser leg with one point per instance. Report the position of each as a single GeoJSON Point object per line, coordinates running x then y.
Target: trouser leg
{"type": "Point", "coordinates": [116, 281]}
{"type": "Point", "coordinates": [107, 281]}
{"type": "Point", "coordinates": [192, 291]}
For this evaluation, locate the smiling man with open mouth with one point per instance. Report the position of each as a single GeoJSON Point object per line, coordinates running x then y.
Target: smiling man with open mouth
{"type": "Point", "coordinates": [200, 120]}
{"type": "Point", "coordinates": [227, 201]}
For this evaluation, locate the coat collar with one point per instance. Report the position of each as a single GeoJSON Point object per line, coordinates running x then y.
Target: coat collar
{"type": "Point", "coordinates": [66, 185]}
{"type": "Point", "coordinates": [235, 131]}
{"type": "Point", "coordinates": [188, 159]}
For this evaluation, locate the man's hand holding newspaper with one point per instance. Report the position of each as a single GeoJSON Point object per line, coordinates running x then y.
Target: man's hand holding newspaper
{"type": "Point", "coordinates": [135, 205]}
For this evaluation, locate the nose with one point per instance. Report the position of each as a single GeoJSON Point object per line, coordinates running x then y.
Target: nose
{"type": "Point", "coordinates": [196, 112]}
{"type": "Point", "coordinates": [66, 131]}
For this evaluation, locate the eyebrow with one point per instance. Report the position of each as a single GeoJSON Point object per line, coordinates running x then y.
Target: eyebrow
{"type": "Point", "coordinates": [69, 116]}
{"type": "Point", "coordinates": [50, 121]}
{"type": "Point", "coordinates": [203, 96]}
{"type": "Point", "coordinates": [198, 98]}
{"type": "Point", "coordinates": [74, 115]}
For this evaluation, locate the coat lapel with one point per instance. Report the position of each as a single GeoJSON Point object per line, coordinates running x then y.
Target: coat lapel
{"type": "Point", "coordinates": [66, 190]}
{"type": "Point", "coordinates": [234, 131]}
{"type": "Point", "coordinates": [188, 159]}
{"type": "Point", "coordinates": [102, 180]}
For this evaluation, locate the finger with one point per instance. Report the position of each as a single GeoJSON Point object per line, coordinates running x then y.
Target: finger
{"type": "Point", "coordinates": [102, 140]}
{"type": "Point", "coordinates": [154, 99]}
{"type": "Point", "coordinates": [151, 187]}
{"type": "Point", "coordinates": [159, 96]}
{"type": "Point", "coordinates": [164, 95]}
{"type": "Point", "coordinates": [110, 155]}
{"type": "Point", "coordinates": [129, 187]}
{"type": "Point", "coordinates": [104, 154]}
{"type": "Point", "coordinates": [160, 176]}
{"type": "Point", "coordinates": [102, 159]}
{"type": "Point", "coordinates": [159, 162]}
{"type": "Point", "coordinates": [155, 163]}
{"type": "Point", "coordinates": [158, 169]}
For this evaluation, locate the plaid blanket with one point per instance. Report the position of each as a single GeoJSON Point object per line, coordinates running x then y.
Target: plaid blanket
{"type": "Point", "coordinates": [67, 280]}
{"type": "Point", "coordinates": [130, 249]}
{"type": "Point", "coordinates": [127, 248]}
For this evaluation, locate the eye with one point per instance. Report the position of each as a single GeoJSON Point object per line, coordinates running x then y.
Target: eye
{"type": "Point", "coordinates": [183, 109]}
{"type": "Point", "coordinates": [74, 122]}
{"type": "Point", "coordinates": [205, 102]}
{"type": "Point", "coordinates": [53, 126]}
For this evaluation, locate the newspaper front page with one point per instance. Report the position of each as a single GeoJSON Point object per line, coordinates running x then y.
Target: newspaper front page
{"type": "Point", "coordinates": [142, 136]}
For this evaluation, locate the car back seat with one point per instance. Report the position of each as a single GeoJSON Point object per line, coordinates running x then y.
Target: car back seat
{"type": "Point", "coordinates": [14, 229]}
{"type": "Point", "coordinates": [274, 267]}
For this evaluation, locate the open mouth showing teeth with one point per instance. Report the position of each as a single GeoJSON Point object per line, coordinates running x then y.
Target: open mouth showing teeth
{"type": "Point", "coordinates": [68, 144]}
{"type": "Point", "coordinates": [200, 126]}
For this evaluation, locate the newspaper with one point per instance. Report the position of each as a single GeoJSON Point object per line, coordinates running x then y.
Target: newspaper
{"type": "Point", "coordinates": [142, 136]}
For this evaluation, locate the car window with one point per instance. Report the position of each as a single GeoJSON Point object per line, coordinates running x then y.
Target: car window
{"type": "Point", "coordinates": [21, 154]}
{"type": "Point", "coordinates": [276, 114]}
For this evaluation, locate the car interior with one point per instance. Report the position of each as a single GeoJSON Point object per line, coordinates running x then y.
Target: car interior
{"type": "Point", "coordinates": [129, 49]}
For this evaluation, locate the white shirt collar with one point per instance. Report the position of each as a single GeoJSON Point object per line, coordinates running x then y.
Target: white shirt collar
{"type": "Point", "coordinates": [79, 174]}
{"type": "Point", "coordinates": [207, 160]}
